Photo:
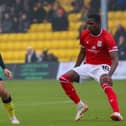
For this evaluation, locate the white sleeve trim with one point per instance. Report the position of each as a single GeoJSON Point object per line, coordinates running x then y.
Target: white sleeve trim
{"type": "Point", "coordinates": [113, 50]}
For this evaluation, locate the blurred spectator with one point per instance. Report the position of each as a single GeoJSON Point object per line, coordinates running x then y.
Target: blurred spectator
{"type": "Point", "coordinates": [84, 13]}
{"type": "Point", "coordinates": [50, 1]}
{"type": "Point", "coordinates": [38, 13]}
{"type": "Point", "coordinates": [15, 24]}
{"type": "Point", "coordinates": [47, 57]}
{"type": "Point", "coordinates": [122, 48]}
{"type": "Point", "coordinates": [120, 31]}
{"type": "Point", "coordinates": [81, 28]}
{"type": "Point", "coordinates": [52, 57]}
{"type": "Point", "coordinates": [50, 12]}
{"type": "Point", "coordinates": [24, 22]}
{"type": "Point", "coordinates": [59, 19]}
{"type": "Point", "coordinates": [77, 6]}
{"type": "Point", "coordinates": [111, 5]}
{"type": "Point", "coordinates": [121, 4]}
{"type": "Point", "coordinates": [82, 19]}
{"type": "Point", "coordinates": [31, 56]}
{"type": "Point", "coordinates": [1, 2]}
{"type": "Point", "coordinates": [116, 5]}
{"type": "Point", "coordinates": [43, 56]}
{"type": "Point", "coordinates": [7, 23]}
{"type": "Point", "coordinates": [1, 19]}
{"type": "Point", "coordinates": [18, 6]}
{"type": "Point", "coordinates": [94, 7]}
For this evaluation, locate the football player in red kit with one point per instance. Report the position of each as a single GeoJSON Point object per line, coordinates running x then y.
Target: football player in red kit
{"type": "Point", "coordinates": [97, 59]}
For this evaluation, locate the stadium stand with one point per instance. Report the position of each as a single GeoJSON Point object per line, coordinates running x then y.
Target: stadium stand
{"type": "Point", "coordinates": [40, 27]}
{"type": "Point", "coordinates": [64, 45]}
{"type": "Point", "coordinates": [114, 18]}
{"type": "Point", "coordinates": [13, 46]}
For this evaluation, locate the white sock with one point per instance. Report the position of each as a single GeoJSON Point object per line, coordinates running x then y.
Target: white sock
{"type": "Point", "coordinates": [117, 113]}
{"type": "Point", "coordinates": [80, 104]}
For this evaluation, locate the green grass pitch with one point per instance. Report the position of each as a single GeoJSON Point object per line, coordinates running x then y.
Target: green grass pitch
{"type": "Point", "coordinates": [43, 103]}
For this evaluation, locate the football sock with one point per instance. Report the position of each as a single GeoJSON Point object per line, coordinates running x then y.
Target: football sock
{"type": "Point", "coordinates": [69, 88]}
{"type": "Point", "coordinates": [111, 95]}
{"type": "Point", "coordinates": [80, 103]}
{"type": "Point", "coordinates": [8, 104]}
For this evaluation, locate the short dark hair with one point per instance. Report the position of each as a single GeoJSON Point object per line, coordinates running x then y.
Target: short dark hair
{"type": "Point", "coordinates": [96, 17]}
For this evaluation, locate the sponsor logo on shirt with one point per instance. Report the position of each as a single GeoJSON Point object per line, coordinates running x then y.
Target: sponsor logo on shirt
{"type": "Point", "coordinates": [93, 49]}
{"type": "Point", "coordinates": [99, 43]}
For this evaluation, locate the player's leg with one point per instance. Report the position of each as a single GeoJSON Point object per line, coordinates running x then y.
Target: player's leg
{"type": "Point", "coordinates": [8, 104]}
{"type": "Point", "coordinates": [101, 75]}
{"type": "Point", "coordinates": [66, 83]}
{"type": "Point", "coordinates": [106, 84]}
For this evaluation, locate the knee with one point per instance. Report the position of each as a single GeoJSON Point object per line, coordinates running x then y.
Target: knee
{"type": "Point", "coordinates": [106, 79]}
{"type": "Point", "coordinates": [64, 79]}
{"type": "Point", "coordinates": [7, 100]}
{"type": "Point", "coordinates": [3, 93]}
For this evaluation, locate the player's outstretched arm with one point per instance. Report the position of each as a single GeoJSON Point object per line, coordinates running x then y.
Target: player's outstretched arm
{"type": "Point", "coordinates": [114, 57]}
{"type": "Point", "coordinates": [7, 72]}
{"type": "Point", "coordinates": [80, 57]}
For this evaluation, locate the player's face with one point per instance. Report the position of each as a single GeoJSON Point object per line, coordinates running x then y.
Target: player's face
{"type": "Point", "coordinates": [92, 25]}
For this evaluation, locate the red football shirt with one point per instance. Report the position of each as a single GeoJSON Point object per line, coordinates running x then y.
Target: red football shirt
{"type": "Point", "coordinates": [98, 47]}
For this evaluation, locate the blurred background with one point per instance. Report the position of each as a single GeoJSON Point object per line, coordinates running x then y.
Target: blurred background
{"type": "Point", "coordinates": [38, 31]}
{"type": "Point", "coordinates": [39, 41]}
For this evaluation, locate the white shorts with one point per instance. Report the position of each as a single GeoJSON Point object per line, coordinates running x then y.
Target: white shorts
{"type": "Point", "coordinates": [89, 71]}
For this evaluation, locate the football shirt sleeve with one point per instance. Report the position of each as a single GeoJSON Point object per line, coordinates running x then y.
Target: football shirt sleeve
{"type": "Point", "coordinates": [110, 43]}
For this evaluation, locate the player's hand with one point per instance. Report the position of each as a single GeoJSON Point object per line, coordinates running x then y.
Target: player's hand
{"type": "Point", "coordinates": [8, 73]}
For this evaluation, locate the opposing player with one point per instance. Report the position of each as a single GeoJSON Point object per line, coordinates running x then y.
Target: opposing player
{"type": "Point", "coordinates": [98, 59]}
{"type": "Point", "coordinates": [5, 96]}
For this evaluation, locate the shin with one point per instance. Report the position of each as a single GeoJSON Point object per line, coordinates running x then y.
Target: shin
{"type": "Point", "coordinates": [69, 88]}
{"type": "Point", "coordinates": [111, 95]}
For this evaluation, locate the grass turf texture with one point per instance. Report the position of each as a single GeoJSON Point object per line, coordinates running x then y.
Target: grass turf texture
{"type": "Point", "coordinates": [43, 103]}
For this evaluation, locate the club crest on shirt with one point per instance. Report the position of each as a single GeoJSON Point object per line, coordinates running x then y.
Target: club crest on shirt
{"type": "Point", "coordinates": [99, 43]}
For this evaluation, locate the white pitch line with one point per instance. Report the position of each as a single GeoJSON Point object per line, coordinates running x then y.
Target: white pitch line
{"type": "Point", "coordinates": [43, 103]}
